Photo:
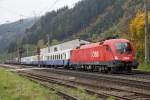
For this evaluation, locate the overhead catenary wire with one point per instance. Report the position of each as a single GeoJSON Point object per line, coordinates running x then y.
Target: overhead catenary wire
{"type": "Point", "coordinates": [13, 12]}
{"type": "Point", "coordinates": [20, 15]}
{"type": "Point", "coordinates": [49, 9]}
{"type": "Point", "coordinates": [24, 16]}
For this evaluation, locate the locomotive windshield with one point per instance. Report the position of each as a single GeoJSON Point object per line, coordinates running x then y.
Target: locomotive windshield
{"type": "Point", "coordinates": [123, 48]}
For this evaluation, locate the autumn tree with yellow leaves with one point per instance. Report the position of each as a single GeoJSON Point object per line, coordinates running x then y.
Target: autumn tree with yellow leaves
{"type": "Point", "coordinates": [136, 35]}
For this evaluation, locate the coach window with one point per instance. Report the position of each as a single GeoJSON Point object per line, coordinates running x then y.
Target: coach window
{"type": "Point", "coordinates": [55, 49]}
{"type": "Point", "coordinates": [65, 56]}
{"type": "Point", "coordinates": [48, 57]}
{"type": "Point", "coordinates": [59, 57]}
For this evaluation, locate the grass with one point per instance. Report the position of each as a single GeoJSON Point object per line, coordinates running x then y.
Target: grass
{"type": "Point", "coordinates": [111, 98]}
{"type": "Point", "coordinates": [144, 67]}
{"type": "Point", "coordinates": [14, 87]}
{"type": "Point", "coordinates": [79, 93]}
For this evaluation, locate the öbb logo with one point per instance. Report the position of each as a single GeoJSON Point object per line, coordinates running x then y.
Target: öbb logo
{"type": "Point", "coordinates": [95, 54]}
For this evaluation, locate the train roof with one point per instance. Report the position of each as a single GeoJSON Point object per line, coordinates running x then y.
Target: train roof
{"type": "Point", "coordinates": [116, 40]}
{"type": "Point", "coordinates": [58, 52]}
{"type": "Point", "coordinates": [64, 46]}
{"type": "Point", "coordinates": [110, 41]}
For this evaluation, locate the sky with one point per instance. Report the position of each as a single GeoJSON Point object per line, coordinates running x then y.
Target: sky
{"type": "Point", "coordinates": [13, 10]}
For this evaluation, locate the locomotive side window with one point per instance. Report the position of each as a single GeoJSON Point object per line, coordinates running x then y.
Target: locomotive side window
{"type": "Point", "coordinates": [108, 48]}
{"type": "Point", "coordinates": [123, 48]}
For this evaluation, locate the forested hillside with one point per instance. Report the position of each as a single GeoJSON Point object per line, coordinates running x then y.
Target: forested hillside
{"type": "Point", "coordinates": [89, 19]}
{"type": "Point", "coordinates": [9, 33]}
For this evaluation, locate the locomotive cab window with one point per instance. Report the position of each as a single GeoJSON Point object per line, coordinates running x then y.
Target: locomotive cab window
{"type": "Point", "coordinates": [123, 48]}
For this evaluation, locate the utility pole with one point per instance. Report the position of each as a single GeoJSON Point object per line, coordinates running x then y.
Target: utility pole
{"type": "Point", "coordinates": [146, 32]}
{"type": "Point", "coordinates": [27, 46]}
{"type": "Point", "coordinates": [38, 53]}
{"type": "Point", "coordinates": [48, 37]}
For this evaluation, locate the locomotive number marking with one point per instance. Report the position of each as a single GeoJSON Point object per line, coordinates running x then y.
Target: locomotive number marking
{"type": "Point", "coordinates": [95, 54]}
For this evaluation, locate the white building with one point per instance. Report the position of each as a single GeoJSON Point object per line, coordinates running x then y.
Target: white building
{"type": "Point", "coordinates": [64, 46]}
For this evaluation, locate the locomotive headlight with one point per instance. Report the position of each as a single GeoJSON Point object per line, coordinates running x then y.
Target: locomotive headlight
{"type": "Point", "coordinates": [116, 58]}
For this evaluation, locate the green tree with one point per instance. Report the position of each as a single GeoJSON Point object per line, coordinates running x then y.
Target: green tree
{"type": "Point", "coordinates": [137, 33]}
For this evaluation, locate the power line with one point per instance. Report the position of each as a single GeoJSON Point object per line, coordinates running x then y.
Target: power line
{"type": "Point", "coordinates": [21, 16]}
{"type": "Point", "coordinates": [13, 12]}
{"type": "Point", "coordinates": [51, 6]}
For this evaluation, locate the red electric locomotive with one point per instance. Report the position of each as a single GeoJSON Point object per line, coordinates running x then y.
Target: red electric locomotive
{"type": "Point", "coordinates": [113, 55]}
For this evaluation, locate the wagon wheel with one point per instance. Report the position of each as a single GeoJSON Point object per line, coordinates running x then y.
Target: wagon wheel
{"type": "Point", "coordinates": [128, 70]}
{"type": "Point", "coordinates": [111, 70]}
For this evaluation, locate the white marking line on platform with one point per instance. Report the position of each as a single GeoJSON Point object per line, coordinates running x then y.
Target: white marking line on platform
{"type": "Point", "coordinates": [24, 69]}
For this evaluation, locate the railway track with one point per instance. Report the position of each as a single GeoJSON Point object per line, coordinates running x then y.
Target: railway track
{"type": "Point", "coordinates": [122, 80]}
{"type": "Point", "coordinates": [121, 87]}
{"type": "Point", "coordinates": [54, 81]}
{"type": "Point", "coordinates": [92, 88]}
{"type": "Point", "coordinates": [43, 81]}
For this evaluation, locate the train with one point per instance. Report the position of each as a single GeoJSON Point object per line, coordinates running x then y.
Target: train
{"type": "Point", "coordinates": [109, 56]}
